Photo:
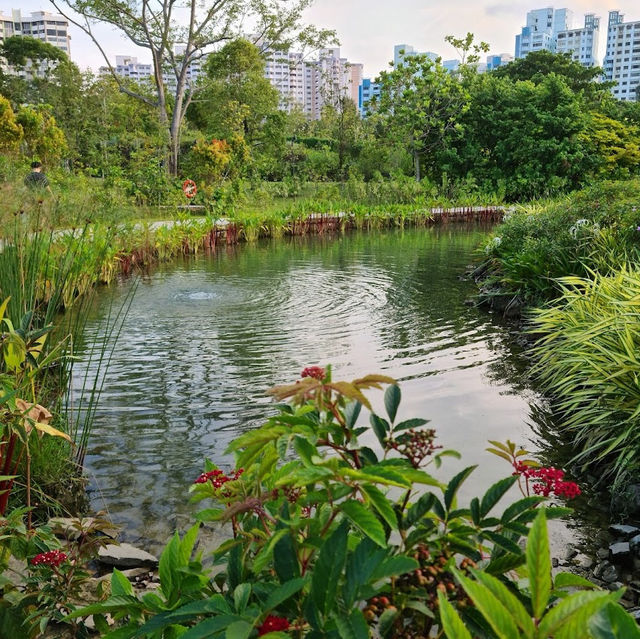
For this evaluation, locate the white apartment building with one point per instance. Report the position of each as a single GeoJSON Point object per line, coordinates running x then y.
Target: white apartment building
{"type": "Point", "coordinates": [48, 27]}
{"type": "Point", "coordinates": [127, 66]}
{"type": "Point", "coordinates": [541, 30]}
{"type": "Point", "coordinates": [622, 59]}
{"type": "Point", "coordinates": [312, 84]}
{"type": "Point", "coordinates": [286, 72]}
{"type": "Point", "coordinates": [581, 43]}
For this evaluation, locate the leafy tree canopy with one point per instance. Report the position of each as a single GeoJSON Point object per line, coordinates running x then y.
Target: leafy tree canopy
{"type": "Point", "coordinates": [18, 50]}
{"type": "Point", "coordinates": [539, 64]}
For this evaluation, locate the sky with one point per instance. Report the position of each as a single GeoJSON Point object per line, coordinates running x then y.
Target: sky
{"type": "Point", "coordinates": [369, 29]}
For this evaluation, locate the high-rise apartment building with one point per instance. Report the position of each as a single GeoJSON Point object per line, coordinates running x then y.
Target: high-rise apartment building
{"type": "Point", "coordinates": [311, 85]}
{"type": "Point", "coordinates": [495, 61]}
{"type": "Point", "coordinates": [285, 70]}
{"type": "Point", "coordinates": [622, 59]}
{"type": "Point", "coordinates": [368, 90]}
{"type": "Point", "coordinates": [127, 66]}
{"type": "Point", "coordinates": [581, 43]}
{"type": "Point", "coordinates": [48, 27]}
{"type": "Point", "coordinates": [542, 29]}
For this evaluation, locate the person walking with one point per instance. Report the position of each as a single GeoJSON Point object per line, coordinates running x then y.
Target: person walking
{"type": "Point", "coordinates": [37, 180]}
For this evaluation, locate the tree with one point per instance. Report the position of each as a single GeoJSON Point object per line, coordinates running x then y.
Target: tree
{"type": "Point", "coordinates": [539, 64]}
{"type": "Point", "coordinates": [156, 26]}
{"type": "Point", "coordinates": [422, 103]}
{"type": "Point", "coordinates": [234, 79]}
{"type": "Point", "coordinates": [42, 138]}
{"type": "Point", "coordinates": [18, 51]}
{"type": "Point", "coordinates": [523, 137]}
{"type": "Point", "coordinates": [10, 130]}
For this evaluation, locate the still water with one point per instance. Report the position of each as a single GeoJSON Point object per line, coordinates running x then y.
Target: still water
{"type": "Point", "coordinates": [206, 337]}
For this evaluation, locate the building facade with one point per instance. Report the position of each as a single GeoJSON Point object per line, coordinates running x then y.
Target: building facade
{"type": "Point", "coordinates": [311, 84]}
{"type": "Point", "coordinates": [622, 58]}
{"type": "Point", "coordinates": [127, 66]}
{"type": "Point", "coordinates": [541, 30]}
{"type": "Point", "coordinates": [581, 44]}
{"type": "Point", "coordinates": [367, 91]}
{"type": "Point", "coordinates": [48, 27]}
{"type": "Point", "coordinates": [495, 61]}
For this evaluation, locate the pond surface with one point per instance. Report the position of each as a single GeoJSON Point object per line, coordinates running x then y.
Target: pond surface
{"type": "Point", "coordinates": [206, 337]}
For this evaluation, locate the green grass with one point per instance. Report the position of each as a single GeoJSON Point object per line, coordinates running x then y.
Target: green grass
{"type": "Point", "coordinates": [588, 359]}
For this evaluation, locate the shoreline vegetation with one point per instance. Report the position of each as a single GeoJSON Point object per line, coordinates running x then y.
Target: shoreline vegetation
{"type": "Point", "coordinates": [570, 270]}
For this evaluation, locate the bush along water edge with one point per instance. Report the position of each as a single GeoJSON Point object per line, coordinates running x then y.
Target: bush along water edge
{"type": "Point", "coordinates": [338, 529]}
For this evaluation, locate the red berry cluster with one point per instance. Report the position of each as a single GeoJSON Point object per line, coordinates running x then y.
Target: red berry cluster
{"type": "Point", "coordinates": [218, 478]}
{"type": "Point", "coordinates": [273, 624]}
{"type": "Point", "coordinates": [52, 558]}
{"type": "Point", "coordinates": [547, 481]}
{"type": "Point", "coordinates": [317, 372]}
{"type": "Point", "coordinates": [415, 445]}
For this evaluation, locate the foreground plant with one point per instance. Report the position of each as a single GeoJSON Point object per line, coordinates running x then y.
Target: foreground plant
{"type": "Point", "coordinates": [564, 607]}
{"type": "Point", "coordinates": [332, 533]}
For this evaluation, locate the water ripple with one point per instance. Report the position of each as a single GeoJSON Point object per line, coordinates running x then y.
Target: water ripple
{"type": "Point", "coordinates": [204, 339]}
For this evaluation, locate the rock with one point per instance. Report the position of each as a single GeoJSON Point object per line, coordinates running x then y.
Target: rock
{"type": "Point", "coordinates": [623, 531]}
{"type": "Point", "coordinates": [634, 542]}
{"type": "Point", "coordinates": [132, 573]}
{"type": "Point", "coordinates": [126, 556]}
{"type": "Point", "coordinates": [583, 561]}
{"type": "Point", "coordinates": [619, 552]}
{"type": "Point", "coordinates": [570, 553]}
{"type": "Point", "coordinates": [628, 501]}
{"type": "Point", "coordinates": [600, 568]}
{"type": "Point", "coordinates": [609, 574]}
{"type": "Point", "coordinates": [615, 585]}
{"type": "Point", "coordinates": [602, 553]}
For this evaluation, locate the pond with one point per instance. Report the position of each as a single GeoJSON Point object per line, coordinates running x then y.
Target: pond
{"type": "Point", "coordinates": [206, 337]}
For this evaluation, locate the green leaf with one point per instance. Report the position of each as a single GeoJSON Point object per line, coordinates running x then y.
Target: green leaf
{"type": "Point", "coordinates": [453, 626]}
{"type": "Point", "coordinates": [385, 622]}
{"type": "Point", "coordinates": [454, 485]}
{"type": "Point", "coordinates": [352, 627]}
{"type": "Point", "coordinates": [386, 475]}
{"type": "Point", "coordinates": [570, 617]}
{"type": "Point", "coordinates": [410, 423]}
{"type": "Point", "coordinates": [284, 592]}
{"type": "Point", "coordinates": [120, 585]}
{"type": "Point", "coordinates": [493, 610]}
{"type": "Point", "coordinates": [328, 568]}
{"type": "Point", "coordinates": [502, 541]}
{"type": "Point", "coordinates": [266, 552]}
{"type": "Point", "coordinates": [168, 567]}
{"type": "Point", "coordinates": [241, 596]}
{"type": "Point", "coordinates": [613, 622]}
{"type": "Point", "coordinates": [380, 428]}
{"type": "Point", "coordinates": [569, 580]}
{"type": "Point", "coordinates": [520, 506]}
{"type": "Point", "coordinates": [495, 494]}
{"type": "Point", "coordinates": [539, 565]}
{"type": "Point", "coordinates": [239, 630]}
{"type": "Point", "coordinates": [509, 600]}
{"type": "Point", "coordinates": [392, 398]}
{"type": "Point", "coordinates": [285, 560]}
{"type": "Point", "coordinates": [393, 566]}
{"type": "Point", "coordinates": [351, 413]}
{"type": "Point", "coordinates": [365, 520]}
{"type": "Point", "coordinates": [505, 563]}
{"type": "Point", "coordinates": [419, 509]}
{"type": "Point", "coordinates": [382, 505]}
{"type": "Point", "coordinates": [209, 627]}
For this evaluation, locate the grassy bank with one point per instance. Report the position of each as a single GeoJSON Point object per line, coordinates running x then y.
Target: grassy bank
{"type": "Point", "coordinates": [573, 267]}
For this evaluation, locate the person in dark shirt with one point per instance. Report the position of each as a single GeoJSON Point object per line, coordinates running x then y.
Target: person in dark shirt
{"type": "Point", "coordinates": [37, 179]}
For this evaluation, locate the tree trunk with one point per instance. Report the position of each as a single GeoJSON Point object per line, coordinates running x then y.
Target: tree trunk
{"type": "Point", "coordinates": [416, 165]}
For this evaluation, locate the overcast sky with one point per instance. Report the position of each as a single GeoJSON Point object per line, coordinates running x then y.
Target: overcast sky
{"type": "Point", "coordinates": [368, 29]}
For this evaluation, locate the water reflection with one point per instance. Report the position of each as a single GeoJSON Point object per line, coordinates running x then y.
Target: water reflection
{"type": "Point", "coordinates": [205, 338]}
